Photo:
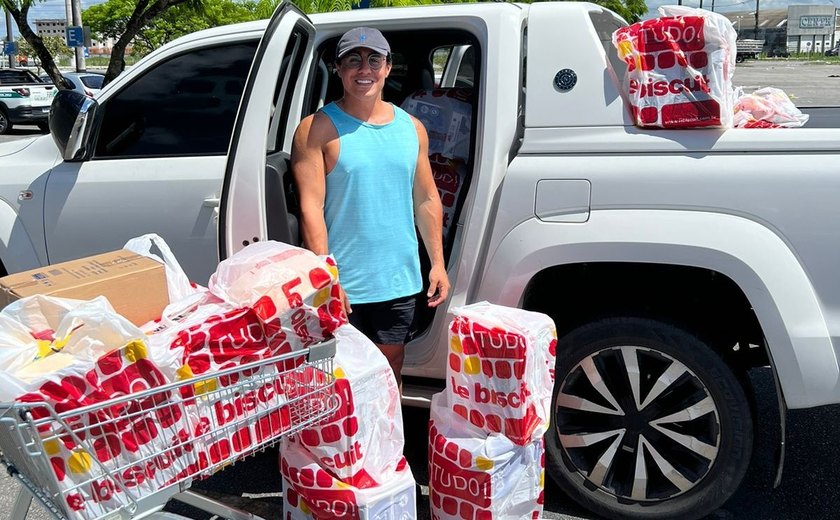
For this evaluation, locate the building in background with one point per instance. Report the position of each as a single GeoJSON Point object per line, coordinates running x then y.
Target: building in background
{"type": "Point", "coordinates": [57, 28]}
{"type": "Point", "coordinates": [797, 29]}
{"type": "Point", "coordinates": [811, 28]}
{"type": "Point", "coordinates": [50, 27]}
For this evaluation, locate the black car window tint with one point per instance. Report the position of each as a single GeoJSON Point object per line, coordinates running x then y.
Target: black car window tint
{"type": "Point", "coordinates": [179, 108]}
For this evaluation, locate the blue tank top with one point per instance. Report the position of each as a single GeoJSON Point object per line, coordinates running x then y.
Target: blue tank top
{"type": "Point", "coordinates": [369, 207]}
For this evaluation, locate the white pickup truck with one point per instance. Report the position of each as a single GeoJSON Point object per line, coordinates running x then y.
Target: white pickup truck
{"type": "Point", "coordinates": [672, 261]}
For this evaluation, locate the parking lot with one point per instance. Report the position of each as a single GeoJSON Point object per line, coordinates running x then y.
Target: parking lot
{"type": "Point", "coordinates": [811, 473]}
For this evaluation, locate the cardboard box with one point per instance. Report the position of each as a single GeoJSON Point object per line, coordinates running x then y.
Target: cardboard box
{"type": "Point", "coordinates": [134, 284]}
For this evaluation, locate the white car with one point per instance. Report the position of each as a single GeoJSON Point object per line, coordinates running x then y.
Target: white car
{"type": "Point", "coordinates": [87, 83]}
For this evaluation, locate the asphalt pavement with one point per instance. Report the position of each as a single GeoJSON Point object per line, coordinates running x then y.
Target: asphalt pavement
{"type": "Point", "coordinates": [808, 488]}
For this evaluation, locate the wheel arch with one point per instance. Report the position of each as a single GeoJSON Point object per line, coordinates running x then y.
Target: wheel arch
{"type": "Point", "coordinates": [760, 266]}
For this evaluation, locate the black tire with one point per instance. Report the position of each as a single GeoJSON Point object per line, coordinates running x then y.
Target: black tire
{"type": "Point", "coordinates": [5, 124]}
{"type": "Point", "coordinates": [705, 458]}
{"type": "Point", "coordinates": [739, 58]}
{"type": "Point", "coordinates": [44, 127]}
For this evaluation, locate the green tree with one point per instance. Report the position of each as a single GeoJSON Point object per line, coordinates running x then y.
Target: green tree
{"type": "Point", "coordinates": [123, 20]}
{"type": "Point", "coordinates": [109, 20]}
{"type": "Point", "coordinates": [19, 9]}
{"type": "Point", "coordinates": [55, 45]}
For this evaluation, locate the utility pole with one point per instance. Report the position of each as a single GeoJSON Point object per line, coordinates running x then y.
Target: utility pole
{"type": "Point", "coordinates": [701, 4]}
{"type": "Point", "coordinates": [9, 37]}
{"type": "Point", "coordinates": [756, 20]}
{"type": "Point", "coordinates": [77, 21]}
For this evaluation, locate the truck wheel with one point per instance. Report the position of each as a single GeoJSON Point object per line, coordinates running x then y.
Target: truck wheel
{"type": "Point", "coordinates": [5, 124]}
{"type": "Point", "coordinates": [739, 58]}
{"type": "Point", "coordinates": [648, 422]}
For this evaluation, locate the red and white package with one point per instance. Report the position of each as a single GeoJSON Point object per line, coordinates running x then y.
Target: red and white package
{"type": "Point", "coordinates": [310, 492]}
{"type": "Point", "coordinates": [679, 68]}
{"type": "Point", "coordinates": [500, 372]}
{"type": "Point", "coordinates": [474, 476]}
{"type": "Point", "coordinates": [285, 285]}
{"type": "Point", "coordinates": [362, 442]}
{"type": "Point", "coordinates": [209, 335]}
{"type": "Point", "coordinates": [86, 354]}
{"type": "Point", "coordinates": [450, 176]}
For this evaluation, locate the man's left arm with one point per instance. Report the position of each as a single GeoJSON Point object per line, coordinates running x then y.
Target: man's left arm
{"type": "Point", "coordinates": [428, 213]}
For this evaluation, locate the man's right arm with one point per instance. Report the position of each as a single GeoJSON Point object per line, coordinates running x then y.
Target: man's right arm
{"type": "Point", "coordinates": [310, 177]}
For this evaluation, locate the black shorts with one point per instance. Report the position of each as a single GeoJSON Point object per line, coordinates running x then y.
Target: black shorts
{"type": "Point", "coordinates": [385, 323]}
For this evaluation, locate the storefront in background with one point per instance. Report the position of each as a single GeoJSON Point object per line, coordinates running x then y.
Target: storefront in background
{"type": "Point", "coordinates": [811, 28]}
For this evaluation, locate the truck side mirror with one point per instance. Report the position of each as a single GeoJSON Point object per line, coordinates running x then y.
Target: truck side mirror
{"type": "Point", "coordinates": [71, 119]}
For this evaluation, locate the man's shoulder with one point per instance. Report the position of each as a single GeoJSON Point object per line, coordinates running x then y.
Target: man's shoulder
{"type": "Point", "coordinates": [318, 126]}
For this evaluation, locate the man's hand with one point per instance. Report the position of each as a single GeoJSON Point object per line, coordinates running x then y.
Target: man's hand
{"type": "Point", "coordinates": [438, 286]}
{"type": "Point", "coordinates": [345, 302]}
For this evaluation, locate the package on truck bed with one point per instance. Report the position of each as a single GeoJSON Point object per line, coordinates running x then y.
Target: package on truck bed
{"type": "Point", "coordinates": [679, 69]}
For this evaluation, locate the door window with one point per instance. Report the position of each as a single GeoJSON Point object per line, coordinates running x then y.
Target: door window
{"type": "Point", "coordinates": [185, 106]}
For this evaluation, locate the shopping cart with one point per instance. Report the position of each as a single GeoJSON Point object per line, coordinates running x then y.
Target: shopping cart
{"type": "Point", "coordinates": [221, 419]}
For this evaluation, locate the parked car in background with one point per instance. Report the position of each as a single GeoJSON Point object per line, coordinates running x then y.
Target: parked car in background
{"type": "Point", "coordinates": [87, 83]}
{"type": "Point", "coordinates": [834, 51]}
{"type": "Point", "coordinates": [24, 99]}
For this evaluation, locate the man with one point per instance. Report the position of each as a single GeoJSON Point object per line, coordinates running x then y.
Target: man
{"type": "Point", "coordinates": [364, 181]}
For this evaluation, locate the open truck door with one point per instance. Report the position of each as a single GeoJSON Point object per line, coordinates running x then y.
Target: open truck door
{"type": "Point", "coordinates": [253, 201]}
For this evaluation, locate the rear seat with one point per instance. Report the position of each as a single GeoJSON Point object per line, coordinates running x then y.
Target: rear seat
{"type": "Point", "coordinates": [447, 115]}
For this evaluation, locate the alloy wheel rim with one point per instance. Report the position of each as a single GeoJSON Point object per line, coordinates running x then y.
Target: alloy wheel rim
{"type": "Point", "coordinates": [637, 423]}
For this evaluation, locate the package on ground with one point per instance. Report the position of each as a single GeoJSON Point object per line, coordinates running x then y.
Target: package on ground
{"type": "Point", "coordinates": [476, 476]}
{"type": "Point", "coordinates": [362, 442]}
{"type": "Point", "coordinates": [679, 68]}
{"type": "Point", "coordinates": [447, 115]}
{"type": "Point", "coordinates": [288, 287]}
{"type": "Point", "coordinates": [310, 492]}
{"type": "Point", "coordinates": [81, 353]}
{"type": "Point", "coordinates": [500, 370]}
{"type": "Point", "coordinates": [134, 284]}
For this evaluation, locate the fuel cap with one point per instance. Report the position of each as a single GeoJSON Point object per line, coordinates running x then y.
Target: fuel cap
{"type": "Point", "coordinates": [565, 80]}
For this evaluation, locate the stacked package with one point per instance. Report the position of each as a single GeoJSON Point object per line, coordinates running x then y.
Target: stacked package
{"type": "Point", "coordinates": [267, 300]}
{"type": "Point", "coordinates": [351, 465]}
{"type": "Point", "coordinates": [679, 69]}
{"type": "Point", "coordinates": [486, 452]}
{"type": "Point", "coordinates": [447, 116]}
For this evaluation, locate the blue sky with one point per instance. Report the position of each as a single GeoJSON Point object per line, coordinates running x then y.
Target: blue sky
{"type": "Point", "coordinates": [55, 8]}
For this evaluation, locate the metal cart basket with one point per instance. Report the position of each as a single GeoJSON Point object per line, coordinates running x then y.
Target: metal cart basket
{"type": "Point", "coordinates": [126, 457]}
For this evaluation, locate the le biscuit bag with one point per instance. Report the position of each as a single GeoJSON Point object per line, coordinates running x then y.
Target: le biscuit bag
{"type": "Point", "coordinates": [81, 353]}
{"type": "Point", "coordinates": [679, 69]}
{"type": "Point", "coordinates": [500, 369]}
{"type": "Point", "coordinates": [475, 476]}
{"type": "Point", "coordinates": [209, 336]}
{"type": "Point", "coordinates": [362, 442]}
{"type": "Point", "coordinates": [286, 286]}
{"type": "Point", "coordinates": [310, 492]}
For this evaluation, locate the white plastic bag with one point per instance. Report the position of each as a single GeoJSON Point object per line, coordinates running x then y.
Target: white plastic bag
{"type": "Point", "coordinates": [362, 442]}
{"type": "Point", "coordinates": [286, 285]}
{"type": "Point", "coordinates": [310, 492]}
{"type": "Point", "coordinates": [82, 353]}
{"type": "Point", "coordinates": [500, 370]}
{"type": "Point", "coordinates": [177, 283]}
{"type": "Point", "coordinates": [767, 107]}
{"type": "Point", "coordinates": [679, 68]}
{"type": "Point", "coordinates": [473, 475]}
